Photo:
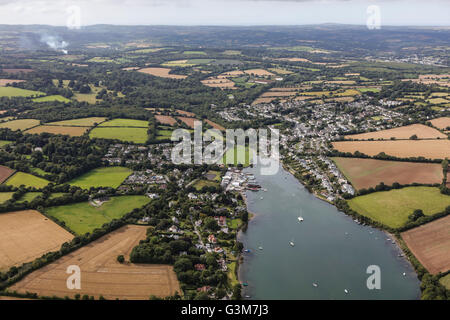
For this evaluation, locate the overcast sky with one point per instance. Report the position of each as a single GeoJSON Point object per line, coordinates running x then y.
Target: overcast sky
{"type": "Point", "coordinates": [224, 12]}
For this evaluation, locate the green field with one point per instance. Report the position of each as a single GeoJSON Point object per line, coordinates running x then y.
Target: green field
{"type": "Point", "coordinates": [84, 217]}
{"type": "Point", "coordinates": [4, 143]}
{"type": "Point", "coordinates": [18, 92]}
{"type": "Point", "coordinates": [83, 122]}
{"type": "Point", "coordinates": [21, 124]}
{"type": "Point", "coordinates": [29, 196]}
{"type": "Point", "coordinates": [125, 123]}
{"type": "Point", "coordinates": [5, 196]}
{"type": "Point", "coordinates": [198, 185]}
{"type": "Point", "coordinates": [26, 179]}
{"type": "Point", "coordinates": [241, 156]}
{"type": "Point", "coordinates": [446, 281]}
{"type": "Point", "coordinates": [136, 135]}
{"type": "Point", "coordinates": [52, 98]}
{"type": "Point", "coordinates": [196, 53]}
{"type": "Point", "coordinates": [392, 208]}
{"type": "Point", "coordinates": [102, 177]}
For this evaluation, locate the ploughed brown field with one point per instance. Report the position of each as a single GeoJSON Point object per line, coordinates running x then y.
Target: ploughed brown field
{"type": "Point", "coordinates": [430, 149]}
{"type": "Point", "coordinates": [189, 121]}
{"type": "Point", "coordinates": [4, 82]}
{"type": "Point", "coordinates": [430, 244]}
{"type": "Point", "coordinates": [71, 131]}
{"type": "Point", "coordinates": [162, 72]}
{"type": "Point", "coordinates": [101, 274]}
{"type": "Point", "coordinates": [5, 173]}
{"type": "Point", "coordinates": [186, 113]}
{"type": "Point", "coordinates": [215, 125]}
{"type": "Point", "coordinates": [441, 123]}
{"type": "Point", "coordinates": [165, 119]}
{"type": "Point", "coordinates": [14, 71]}
{"type": "Point", "coordinates": [366, 173]}
{"type": "Point", "coordinates": [27, 235]}
{"type": "Point", "coordinates": [422, 132]}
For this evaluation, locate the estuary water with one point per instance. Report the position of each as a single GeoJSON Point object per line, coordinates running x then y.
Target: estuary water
{"type": "Point", "coordinates": [331, 252]}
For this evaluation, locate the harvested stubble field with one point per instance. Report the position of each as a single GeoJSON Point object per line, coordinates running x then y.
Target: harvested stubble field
{"type": "Point", "coordinates": [441, 123]}
{"type": "Point", "coordinates": [21, 124]}
{"type": "Point", "coordinates": [102, 274]}
{"type": "Point", "coordinates": [83, 122]}
{"type": "Point", "coordinates": [219, 83]}
{"type": "Point", "coordinates": [430, 149]}
{"type": "Point", "coordinates": [5, 173]}
{"type": "Point", "coordinates": [430, 244]}
{"type": "Point", "coordinates": [27, 235]}
{"type": "Point", "coordinates": [165, 120]}
{"type": "Point", "coordinates": [65, 130]}
{"type": "Point", "coordinates": [162, 72]}
{"type": "Point", "coordinates": [366, 173]}
{"type": "Point", "coordinates": [278, 94]}
{"type": "Point", "coordinates": [422, 132]}
{"type": "Point", "coordinates": [259, 72]}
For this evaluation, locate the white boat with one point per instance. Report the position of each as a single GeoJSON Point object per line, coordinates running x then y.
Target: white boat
{"type": "Point", "coordinates": [292, 243]}
{"type": "Point", "coordinates": [315, 285]}
{"type": "Point", "coordinates": [346, 291]}
{"type": "Point", "coordinates": [300, 219]}
{"type": "Point", "coordinates": [262, 198]}
{"type": "Point", "coordinates": [404, 273]}
{"type": "Point", "coordinates": [260, 248]}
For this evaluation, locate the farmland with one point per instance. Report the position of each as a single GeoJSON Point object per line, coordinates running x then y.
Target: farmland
{"type": "Point", "coordinates": [165, 120]}
{"type": "Point", "coordinates": [366, 173]}
{"type": "Point", "coordinates": [445, 281]}
{"type": "Point", "coordinates": [83, 122]}
{"type": "Point", "coordinates": [21, 124]}
{"type": "Point", "coordinates": [102, 274]}
{"type": "Point", "coordinates": [52, 98]}
{"type": "Point", "coordinates": [125, 123]}
{"type": "Point", "coordinates": [392, 208]}
{"type": "Point", "coordinates": [18, 92]}
{"type": "Point", "coordinates": [420, 130]}
{"type": "Point", "coordinates": [441, 123]}
{"type": "Point", "coordinates": [5, 173]}
{"type": "Point", "coordinates": [188, 121]}
{"type": "Point", "coordinates": [22, 178]}
{"type": "Point", "coordinates": [125, 134]}
{"type": "Point", "coordinates": [162, 72]}
{"type": "Point", "coordinates": [65, 130]}
{"type": "Point", "coordinates": [430, 243]}
{"type": "Point", "coordinates": [102, 177]}
{"type": "Point", "coordinates": [27, 235]}
{"type": "Point", "coordinates": [4, 82]}
{"type": "Point", "coordinates": [84, 217]}
{"type": "Point", "coordinates": [431, 149]}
